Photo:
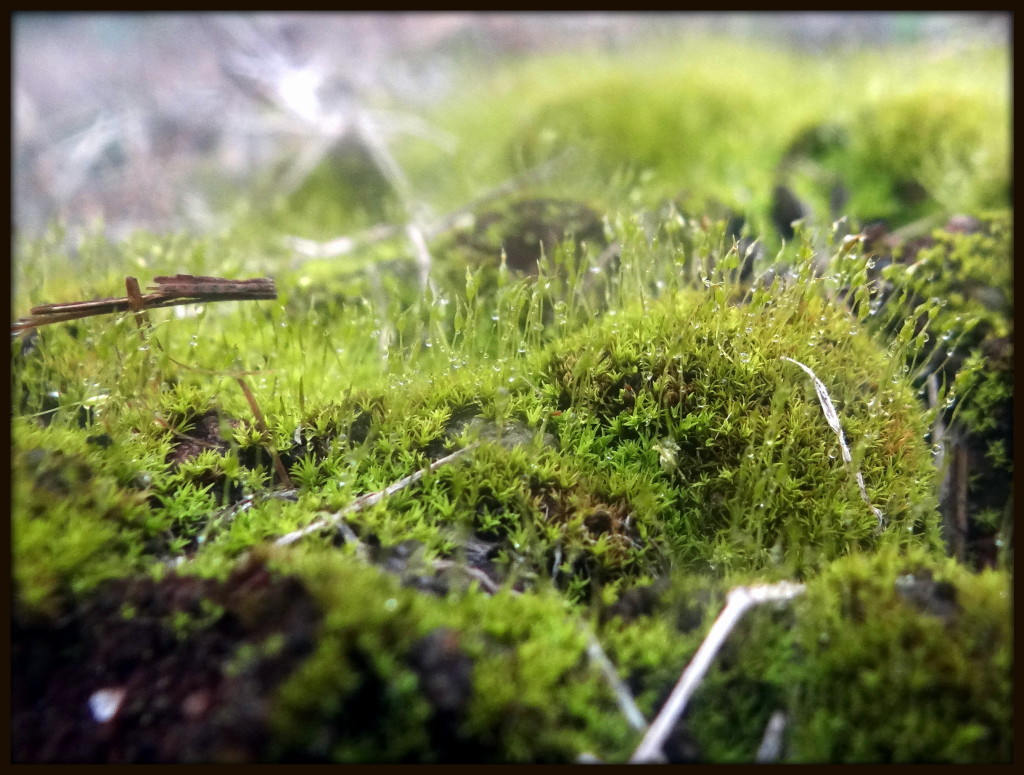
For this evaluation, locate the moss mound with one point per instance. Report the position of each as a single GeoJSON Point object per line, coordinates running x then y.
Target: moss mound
{"type": "Point", "coordinates": [397, 514]}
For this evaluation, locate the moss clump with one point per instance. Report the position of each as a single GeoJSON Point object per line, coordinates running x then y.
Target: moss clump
{"type": "Point", "coordinates": [911, 154]}
{"type": "Point", "coordinates": [953, 284]}
{"type": "Point", "coordinates": [729, 439]}
{"type": "Point", "coordinates": [634, 442]}
{"type": "Point", "coordinates": [524, 230]}
{"type": "Point", "coordinates": [398, 676]}
{"type": "Point", "coordinates": [890, 656]}
{"type": "Point", "coordinates": [671, 435]}
{"type": "Point", "coordinates": [904, 659]}
{"type": "Point", "coordinates": [76, 518]}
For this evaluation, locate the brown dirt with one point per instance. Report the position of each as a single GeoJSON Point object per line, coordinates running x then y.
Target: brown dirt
{"type": "Point", "coordinates": [169, 654]}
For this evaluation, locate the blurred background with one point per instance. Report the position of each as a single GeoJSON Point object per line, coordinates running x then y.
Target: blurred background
{"type": "Point", "coordinates": [160, 121]}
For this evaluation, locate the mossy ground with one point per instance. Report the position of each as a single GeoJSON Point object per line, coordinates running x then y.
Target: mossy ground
{"type": "Point", "coordinates": [635, 445]}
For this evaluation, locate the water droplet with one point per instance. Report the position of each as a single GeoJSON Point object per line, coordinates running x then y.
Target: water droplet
{"type": "Point", "coordinates": [744, 357]}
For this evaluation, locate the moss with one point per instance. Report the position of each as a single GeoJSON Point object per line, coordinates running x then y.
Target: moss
{"type": "Point", "coordinates": [949, 290]}
{"type": "Point", "coordinates": [907, 659]}
{"type": "Point", "coordinates": [73, 523]}
{"type": "Point", "coordinates": [932, 144]}
{"type": "Point", "coordinates": [360, 698]}
{"type": "Point", "coordinates": [635, 441]}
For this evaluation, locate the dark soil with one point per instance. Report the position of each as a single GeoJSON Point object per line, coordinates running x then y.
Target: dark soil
{"type": "Point", "coordinates": [186, 692]}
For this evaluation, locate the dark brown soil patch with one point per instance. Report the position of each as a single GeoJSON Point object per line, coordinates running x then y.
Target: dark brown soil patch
{"type": "Point", "coordinates": [185, 666]}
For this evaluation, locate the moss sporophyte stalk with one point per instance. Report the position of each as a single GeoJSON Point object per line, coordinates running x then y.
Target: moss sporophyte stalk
{"type": "Point", "coordinates": [431, 504]}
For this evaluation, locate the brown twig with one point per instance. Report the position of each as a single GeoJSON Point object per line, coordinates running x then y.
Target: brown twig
{"type": "Point", "coordinates": [137, 304]}
{"type": "Point", "coordinates": [261, 426]}
{"type": "Point", "coordinates": [167, 292]}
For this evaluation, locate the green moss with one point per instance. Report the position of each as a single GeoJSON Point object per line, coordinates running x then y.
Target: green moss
{"type": "Point", "coordinates": [73, 523]}
{"type": "Point", "coordinates": [360, 698]}
{"type": "Point", "coordinates": [912, 152]}
{"type": "Point", "coordinates": [907, 660]}
{"type": "Point", "coordinates": [948, 295]}
{"type": "Point", "coordinates": [889, 656]}
{"type": "Point", "coordinates": [635, 430]}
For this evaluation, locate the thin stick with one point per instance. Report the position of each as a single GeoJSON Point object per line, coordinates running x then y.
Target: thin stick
{"type": "Point", "coordinates": [475, 573]}
{"type": "Point", "coordinates": [168, 292]}
{"type": "Point", "coordinates": [369, 499]}
{"type": "Point", "coordinates": [137, 305]}
{"type": "Point", "coordinates": [246, 503]}
{"type": "Point", "coordinates": [626, 702]}
{"type": "Point", "coordinates": [261, 425]}
{"type": "Point", "coordinates": [737, 603]}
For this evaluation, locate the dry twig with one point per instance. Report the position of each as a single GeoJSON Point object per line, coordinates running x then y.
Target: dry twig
{"type": "Point", "coordinates": [770, 749]}
{"type": "Point", "coordinates": [261, 426]}
{"type": "Point", "coordinates": [369, 499]}
{"type": "Point", "coordinates": [622, 695]}
{"type": "Point", "coordinates": [738, 602]}
{"type": "Point", "coordinates": [167, 292]}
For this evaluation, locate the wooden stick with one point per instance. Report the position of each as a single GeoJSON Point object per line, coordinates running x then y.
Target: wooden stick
{"type": "Point", "coordinates": [138, 306]}
{"type": "Point", "coordinates": [261, 426]}
{"type": "Point", "coordinates": [167, 292]}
